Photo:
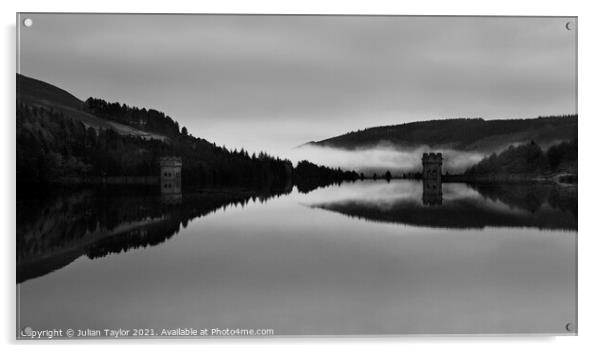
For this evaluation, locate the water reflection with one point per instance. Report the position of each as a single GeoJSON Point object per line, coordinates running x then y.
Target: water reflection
{"type": "Point", "coordinates": [432, 192]}
{"type": "Point", "coordinates": [533, 205]}
{"type": "Point", "coordinates": [53, 232]}
{"type": "Point", "coordinates": [301, 270]}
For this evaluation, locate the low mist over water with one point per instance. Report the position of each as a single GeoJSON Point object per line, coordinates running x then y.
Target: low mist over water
{"type": "Point", "coordinates": [383, 157]}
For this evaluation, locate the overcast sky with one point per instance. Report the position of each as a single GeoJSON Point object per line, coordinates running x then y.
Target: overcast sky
{"type": "Point", "coordinates": [274, 82]}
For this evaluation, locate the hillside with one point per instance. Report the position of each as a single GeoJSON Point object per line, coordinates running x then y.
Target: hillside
{"type": "Point", "coordinates": [39, 94]}
{"type": "Point", "coordinates": [62, 140]}
{"type": "Point", "coordinates": [460, 134]}
{"type": "Point", "coordinates": [527, 161]}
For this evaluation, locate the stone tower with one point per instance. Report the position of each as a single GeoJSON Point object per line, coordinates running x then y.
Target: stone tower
{"type": "Point", "coordinates": [432, 193]}
{"type": "Point", "coordinates": [171, 175]}
{"type": "Point", "coordinates": [431, 166]}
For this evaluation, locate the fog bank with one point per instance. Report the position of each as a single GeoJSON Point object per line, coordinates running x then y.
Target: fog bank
{"type": "Point", "coordinates": [382, 158]}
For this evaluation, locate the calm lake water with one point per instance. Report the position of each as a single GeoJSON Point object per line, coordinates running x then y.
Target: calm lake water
{"type": "Point", "coordinates": [358, 258]}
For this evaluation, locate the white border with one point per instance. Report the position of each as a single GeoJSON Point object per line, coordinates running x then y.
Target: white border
{"type": "Point", "coordinates": [589, 128]}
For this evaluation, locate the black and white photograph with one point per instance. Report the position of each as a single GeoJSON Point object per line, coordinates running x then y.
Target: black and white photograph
{"type": "Point", "coordinates": [295, 175]}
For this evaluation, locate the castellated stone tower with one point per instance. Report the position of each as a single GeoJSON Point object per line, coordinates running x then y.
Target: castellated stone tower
{"type": "Point", "coordinates": [171, 178]}
{"type": "Point", "coordinates": [431, 166]}
{"type": "Point", "coordinates": [432, 193]}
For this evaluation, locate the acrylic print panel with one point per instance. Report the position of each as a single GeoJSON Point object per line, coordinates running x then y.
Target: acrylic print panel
{"type": "Point", "coordinates": [257, 175]}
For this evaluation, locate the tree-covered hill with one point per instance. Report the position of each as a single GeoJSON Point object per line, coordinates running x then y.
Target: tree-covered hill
{"type": "Point", "coordinates": [528, 160]}
{"type": "Point", "coordinates": [41, 95]}
{"type": "Point", "coordinates": [460, 134]}
{"type": "Point", "coordinates": [52, 148]}
{"type": "Point", "coordinates": [61, 140]}
{"type": "Point", "coordinates": [149, 120]}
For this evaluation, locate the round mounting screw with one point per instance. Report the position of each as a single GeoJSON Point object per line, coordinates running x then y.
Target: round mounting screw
{"type": "Point", "coordinates": [569, 327]}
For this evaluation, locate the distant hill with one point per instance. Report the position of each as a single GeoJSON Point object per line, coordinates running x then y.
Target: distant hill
{"type": "Point", "coordinates": [460, 134]}
{"type": "Point", "coordinates": [527, 160]}
{"type": "Point", "coordinates": [36, 93]}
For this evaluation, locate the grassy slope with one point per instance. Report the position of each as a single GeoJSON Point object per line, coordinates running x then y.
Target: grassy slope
{"type": "Point", "coordinates": [38, 93]}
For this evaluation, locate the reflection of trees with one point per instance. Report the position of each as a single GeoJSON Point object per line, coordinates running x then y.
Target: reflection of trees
{"type": "Point", "coordinates": [307, 186]}
{"type": "Point", "coordinates": [531, 196]}
{"type": "Point", "coordinates": [309, 176]}
{"type": "Point", "coordinates": [53, 232]}
{"type": "Point", "coordinates": [541, 206]}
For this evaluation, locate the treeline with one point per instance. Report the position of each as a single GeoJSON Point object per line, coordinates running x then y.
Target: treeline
{"type": "Point", "coordinates": [528, 160]}
{"type": "Point", "coordinates": [147, 120]}
{"type": "Point", "coordinates": [53, 149]}
{"type": "Point", "coordinates": [460, 134]}
{"type": "Point", "coordinates": [309, 176]}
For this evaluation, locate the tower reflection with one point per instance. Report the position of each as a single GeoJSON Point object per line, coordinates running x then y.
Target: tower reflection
{"type": "Point", "coordinates": [432, 194]}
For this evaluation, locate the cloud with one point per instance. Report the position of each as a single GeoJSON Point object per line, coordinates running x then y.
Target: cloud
{"type": "Point", "coordinates": [329, 73]}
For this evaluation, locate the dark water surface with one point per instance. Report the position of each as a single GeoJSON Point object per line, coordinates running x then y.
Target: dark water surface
{"type": "Point", "coordinates": [356, 258]}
